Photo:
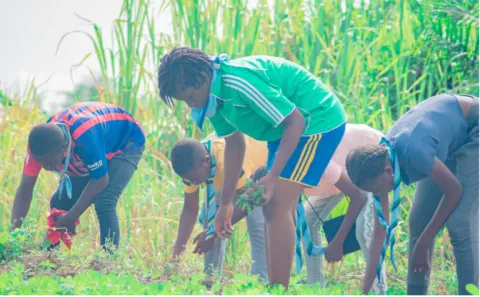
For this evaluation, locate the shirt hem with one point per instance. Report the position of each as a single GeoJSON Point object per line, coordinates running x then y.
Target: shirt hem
{"type": "Point", "coordinates": [226, 135]}
{"type": "Point", "coordinates": [329, 130]}
{"type": "Point", "coordinates": [282, 119]}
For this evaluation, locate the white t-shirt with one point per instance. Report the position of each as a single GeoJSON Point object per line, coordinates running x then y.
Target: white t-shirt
{"type": "Point", "coordinates": [355, 136]}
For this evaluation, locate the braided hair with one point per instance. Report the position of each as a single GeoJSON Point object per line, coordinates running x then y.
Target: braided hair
{"type": "Point", "coordinates": [183, 67]}
{"type": "Point", "coordinates": [366, 163]}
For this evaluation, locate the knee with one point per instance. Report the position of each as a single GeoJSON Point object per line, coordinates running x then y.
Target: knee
{"type": "Point", "coordinates": [268, 211]}
{"type": "Point", "coordinates": [105, 202]}
{"type": "Point", "coordinates": [415, 227]}
{"type": "Point", "coordinates": [459, 228]}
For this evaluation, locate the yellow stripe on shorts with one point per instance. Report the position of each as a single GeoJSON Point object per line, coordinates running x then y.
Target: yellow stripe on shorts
{"type": "Point", "coordinates": [304, 156]}
{"type": "Point", "coordinates": [304, 150]}
{"type": "Point", "coordinates": [304, 162]}
{"type": "Point", "coordinates": [310, 158]}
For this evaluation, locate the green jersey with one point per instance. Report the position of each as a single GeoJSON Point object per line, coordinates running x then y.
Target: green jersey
{"type": "Point", "coordinates": [259, 92]}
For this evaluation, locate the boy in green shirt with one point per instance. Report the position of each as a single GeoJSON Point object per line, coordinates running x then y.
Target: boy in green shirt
{"type": "Point", "coordinates": [274, 100]}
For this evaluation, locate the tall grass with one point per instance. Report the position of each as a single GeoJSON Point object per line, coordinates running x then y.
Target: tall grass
{"type": "Point", "coordinates": [380, 57]}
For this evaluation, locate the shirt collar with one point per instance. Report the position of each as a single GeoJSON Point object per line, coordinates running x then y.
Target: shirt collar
{"type": "Point", "coordinates": [216, 89]}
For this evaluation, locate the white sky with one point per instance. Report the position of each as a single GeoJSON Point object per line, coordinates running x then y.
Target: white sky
{"type": "Point", "coordinates": [30, 31]}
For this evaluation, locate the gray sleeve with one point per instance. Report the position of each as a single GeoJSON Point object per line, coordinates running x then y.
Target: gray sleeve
{"type": "Point", "coordinates": [419, 155]}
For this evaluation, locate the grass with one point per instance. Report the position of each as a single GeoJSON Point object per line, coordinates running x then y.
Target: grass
{"type": "Point", "coordinates": [30, 270]}
{"type": "Point", "coordinates": [380, 59]}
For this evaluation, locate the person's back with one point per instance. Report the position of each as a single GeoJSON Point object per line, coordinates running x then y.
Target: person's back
{"type": "Point", "coordinates": [323, 199]}
{"type": "Point", "coordinates": [282, 78]}
{"type": "Point", "coordinates": [202, 163]}
{"type": "Point", "coordinates": [355, 135]}
{"type": "Point", "coordinates": [434, 145]}
{"type": "Point", "coordinates": [118, 128]}
{"type": "Point", "coordinates": [278, 71]}
{"type": "Point", "coordinates": [96, 148]}
{"type": "Point", "coordinates": [435, 127]}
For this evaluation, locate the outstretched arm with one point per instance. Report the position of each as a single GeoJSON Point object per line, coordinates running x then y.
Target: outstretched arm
{"type": "Point", "coordinates": [23, 199]}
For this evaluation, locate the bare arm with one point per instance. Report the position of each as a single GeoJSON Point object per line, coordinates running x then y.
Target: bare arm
{"type": "Point", "coordinates": [376, 245]}
{"type": "Point", "coordinates": [452, 189]}
{"type": "Point", "coordinates": [294, 125]}
{"type": "Point", "coordinates": [202, 244]}
{"type": "Point", "coordinates": [233, 161]}
{"type": "Point", "coordinates": [233, 158]}
{"type": "Point", "coordinates": [238, 214]}
{"type": "Point", "coordinates": [357, 201]}
{"type": "Point", "coordinates": [93, 188]}
{"type": "Point", "coordinates": [187, 222]}
{"type": "Point", "coordinates": [23, 199]}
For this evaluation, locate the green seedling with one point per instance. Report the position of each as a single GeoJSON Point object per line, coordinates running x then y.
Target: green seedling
{"type": "Point", "coordinates": [472, 289]}
{"type": "Point", "coordinates": [250, 200]}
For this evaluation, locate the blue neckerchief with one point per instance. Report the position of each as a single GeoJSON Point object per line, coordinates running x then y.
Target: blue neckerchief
{"type": "Point", "coordinates": [64, 178]}
{"type": "Point", "coordinates": [389, 229]}
{"type": "Point", "coordinates": [302, 230]}
{"type": "Point", "coordinates": [209, 208]}
{"type": "Point", "coordinates": [198, 114]}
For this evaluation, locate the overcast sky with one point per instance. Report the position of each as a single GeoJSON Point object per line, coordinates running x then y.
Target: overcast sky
{"type": "Point", "coordinates": [30, 31]}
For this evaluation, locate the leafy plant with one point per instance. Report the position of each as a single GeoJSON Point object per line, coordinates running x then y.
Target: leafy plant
{"type": "Point", "coordinates": [380, 58]}
{"type": "Point", "coordinates": [472, 289]}
{"type": "Point", "coordinates": [250, 200]}
{"type": "Point", "coordinates": [10, 244]}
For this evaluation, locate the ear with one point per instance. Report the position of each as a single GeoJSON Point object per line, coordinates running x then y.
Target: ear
{"type": "Point", "coordinates": [208, 78]}
{"type": "Point", "coordinates": [207, 159]}
{"type": "Point", "coordinates": [388, 166]}
{"type": "Point", "coordinates": [206, 84]}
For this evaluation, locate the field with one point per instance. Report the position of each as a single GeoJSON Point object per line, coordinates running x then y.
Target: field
{"type": "Point", "coordinates": [380, 57]}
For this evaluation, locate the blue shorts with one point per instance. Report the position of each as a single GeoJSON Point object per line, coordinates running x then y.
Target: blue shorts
{"type": "Point", "coordinates": [311, 157]}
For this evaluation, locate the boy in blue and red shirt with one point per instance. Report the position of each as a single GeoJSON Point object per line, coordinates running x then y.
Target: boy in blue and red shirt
{"type": "Point", "coordinates": [96, 148]}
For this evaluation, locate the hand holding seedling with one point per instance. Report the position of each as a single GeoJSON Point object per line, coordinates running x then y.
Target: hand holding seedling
{"type": "Point", "coordinates": [267, 183]}
{"type": "Point", "coordinates": [251, 198]}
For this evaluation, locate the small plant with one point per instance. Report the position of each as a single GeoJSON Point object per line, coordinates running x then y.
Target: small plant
{"type": "Point", "coordinates": [393, 54]}
{"type": "Point", "coordinates": [10, 244]}
{"type": "Point", "coordinates": [250, 200]}
{"type": "Point", "coordinates": [47, 265]}
{"type": "Point", "coordinates": [472, 289]}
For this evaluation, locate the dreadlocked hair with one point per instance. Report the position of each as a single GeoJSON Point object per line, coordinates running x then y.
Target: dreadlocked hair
{"type": "Point", "coordinates": [181, 68]}
{"type": "Point", "coordinates": [366, 163]}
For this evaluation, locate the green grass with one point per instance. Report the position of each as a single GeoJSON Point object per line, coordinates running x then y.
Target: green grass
{"type": "Point", "coordinates": [380, 60]}
{"type": "Point", "coordinates": [27, 269]}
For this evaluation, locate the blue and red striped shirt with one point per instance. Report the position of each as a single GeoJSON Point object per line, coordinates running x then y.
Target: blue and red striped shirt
{"type": "Point", "coordinates": [98, 131]}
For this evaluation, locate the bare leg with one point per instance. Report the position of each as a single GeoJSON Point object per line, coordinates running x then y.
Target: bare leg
{"type": "Point", "coordinates": [266, 250]}
{"type": "Point", "coordinates": [280, 230]}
